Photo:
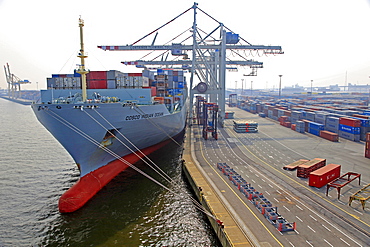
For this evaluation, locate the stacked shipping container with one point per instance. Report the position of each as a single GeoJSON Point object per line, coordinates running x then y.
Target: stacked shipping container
{"type": "Point", "coordinates": [284, 121]}
{"type": "Point", "coordinates": [291, 114]}
{"type": "Point", "coordinates": [315, 128]}
{"type": "Point", "coordinates": [305, 169]}
{"type": "Point", "coordinates": [349, 128]}
{"type": "Point", "coordinates": [167, 83]}
{"type": "Point", "coordinates": [245, 127]}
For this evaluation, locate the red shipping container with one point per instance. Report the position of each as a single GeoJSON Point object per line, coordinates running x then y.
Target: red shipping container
{"type": "Point", "coordinates": [287, 124]}
{"type": "Point", "coordinates": [368, 136]}
{"type": "Point", "coordinates": [334, 137]}
{"type": "Point", "coordinates": [135, 74]}
{"type": "Point", "coordinates": [367, 154]}
{"type": "Point", "coordinates": [96, 84]}
{"type": "Point", "coordinates": [292, 126]}
{"type": "Point", "coordinates": [96, 75]}
{"type": "Point", "coordinates": [324, 175]}
{"type": "Point", "coordinates": [350, 122]}
{"type": "Point", "coordinates": [361, 116]}
{"type": "Point", "coordinates": [283, 119]}
{"type": "Point", "coordinates": [153, 91]}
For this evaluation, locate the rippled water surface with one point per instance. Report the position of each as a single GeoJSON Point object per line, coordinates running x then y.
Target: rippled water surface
{"type": "Point", "coordinates": [130, 211]}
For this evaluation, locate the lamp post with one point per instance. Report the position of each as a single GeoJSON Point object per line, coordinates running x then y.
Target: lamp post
{"type": "Point", "coordinates": [280, 86]}
{"type": "Point", "coordinates": [242, 86]}
{"type": "Point", "coordinates": [311, 86]}
{"type": "Point", "coordinates": [251, 88]}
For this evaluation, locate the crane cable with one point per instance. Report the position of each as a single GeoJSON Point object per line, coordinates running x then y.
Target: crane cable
{"type": "Point", "coordinates": [157, 169]}
{"type": "Point", "coordinates": [140, 111]}
{"type": "Point", "coordinates": [162, 26]}
{"type": "Point", "coordinates": [166, 177]}
{"type": "Point", "coordinates": [89, 138]}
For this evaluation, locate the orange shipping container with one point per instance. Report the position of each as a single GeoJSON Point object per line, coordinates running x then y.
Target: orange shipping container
{"type": "Point", "coordinates": [329, 135]}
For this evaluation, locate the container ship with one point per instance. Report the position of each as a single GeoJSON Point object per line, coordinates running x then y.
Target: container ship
{"type": "Point", "coordinates": [107, 120]}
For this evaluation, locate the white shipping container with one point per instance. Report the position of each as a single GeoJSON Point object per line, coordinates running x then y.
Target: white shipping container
{"type": "Point", "coordinates": [68, 82]}
{"type": "Point", "coordinates": [145, 82]}
{"type": "Point", "coordinates": [59, 82]}
{"type": "Point", "coordinates": [76, 82]}
{"type": "Point", "coordinates": [126, 81]}
{"type": "Point", "coordinates": [111, 84]}
{"type": "Point", "coordinates": [138, 81]}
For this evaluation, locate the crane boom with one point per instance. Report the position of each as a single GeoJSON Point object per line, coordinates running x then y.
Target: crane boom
{"type": "Point", "coordinates": [187, 62]}
{"type": "Point", "coordinates": [268, 49]}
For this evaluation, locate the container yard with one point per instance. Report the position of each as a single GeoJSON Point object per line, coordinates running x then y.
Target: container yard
{"type": "Point", "coordinates": [278, 181]}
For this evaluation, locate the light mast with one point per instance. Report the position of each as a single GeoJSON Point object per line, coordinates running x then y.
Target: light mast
{"type": "Point", "coordinates": [81, 69]}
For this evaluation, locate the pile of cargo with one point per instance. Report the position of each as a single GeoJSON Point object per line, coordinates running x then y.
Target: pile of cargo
{"type": "Point", "coordinates": [263, 205]}
{"type": "Point", "coordinates": [316, 170]}
{"type": "Point", "coordinates": [367, 146]}
{"type": "Point", "coordinates": [229, 115]}
{"type": "Point", "coordinates": [350, 121]}
{"type": "Point", "coordinates": [304, 170]}
{"type": "Point", "coordinates": [246, 127]}
{"type": "Point", "coordinates": [295, 164]}
{"type": "Point", "coordinates": [165, 82]}
{"type": "Point", "coordinates": [284, 121]}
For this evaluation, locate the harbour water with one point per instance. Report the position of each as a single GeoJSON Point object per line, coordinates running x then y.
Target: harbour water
{"type": "Point", "coordinates": [129, 211]}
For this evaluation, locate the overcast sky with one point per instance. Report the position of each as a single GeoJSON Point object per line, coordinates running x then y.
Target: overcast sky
{"type": "Point", "coordinates": [323, 40]}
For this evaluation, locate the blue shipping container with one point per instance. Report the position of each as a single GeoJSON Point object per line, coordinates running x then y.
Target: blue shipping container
{"type": "Point", "coordinates": [350, 129]}
{"type": "Point", "coordinates": [314, 131]}
{"type": "Point", "coordinates": [317, 126]}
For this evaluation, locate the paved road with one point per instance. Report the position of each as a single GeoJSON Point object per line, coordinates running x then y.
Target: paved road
{"type": "Point", "coordinates": [259, 158]}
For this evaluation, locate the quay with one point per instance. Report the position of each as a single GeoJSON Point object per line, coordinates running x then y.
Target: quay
{"type": "Point", "coordinates": [259, 158]}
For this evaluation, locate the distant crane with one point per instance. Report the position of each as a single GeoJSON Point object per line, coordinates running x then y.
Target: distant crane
{"type": "Point", "coordinates": [14, 83]}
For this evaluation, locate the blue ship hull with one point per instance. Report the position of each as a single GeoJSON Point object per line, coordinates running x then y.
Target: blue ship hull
{"type": "Point", "coordinates": [80, 129]}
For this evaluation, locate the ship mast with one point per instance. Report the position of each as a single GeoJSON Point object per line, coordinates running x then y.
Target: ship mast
{"type": "Point", "coordinates": [81, 69]}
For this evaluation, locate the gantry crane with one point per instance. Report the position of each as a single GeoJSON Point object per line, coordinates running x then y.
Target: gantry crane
{"type": "Point", "coordinates": [14, 83]}
{"type": "Point", "coordinates": [208, 60]}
